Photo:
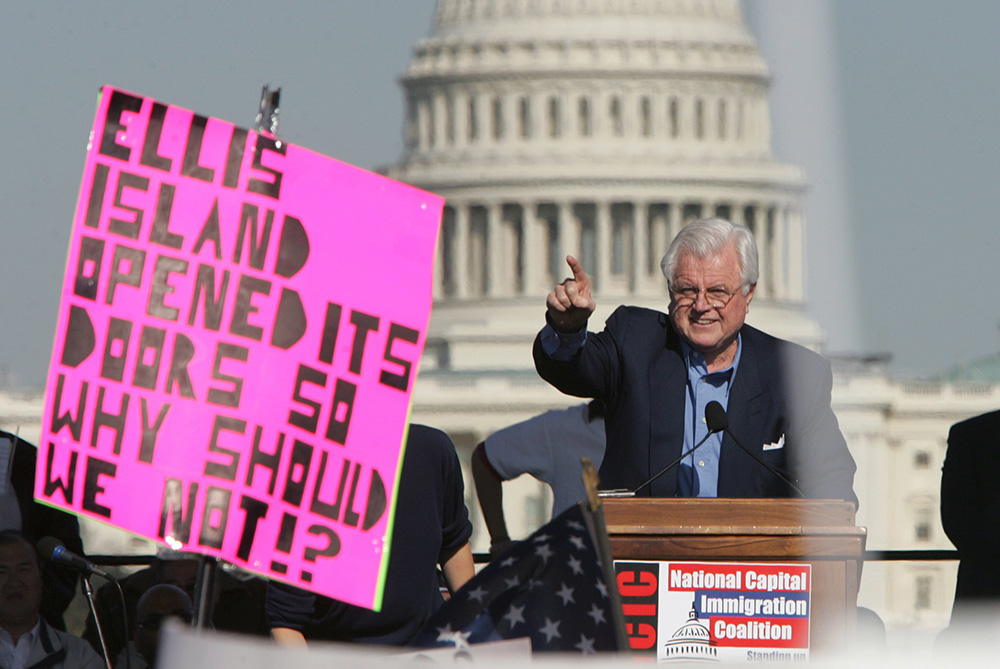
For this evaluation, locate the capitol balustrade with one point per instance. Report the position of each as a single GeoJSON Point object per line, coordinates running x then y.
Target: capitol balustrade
{"type": "Point", "coordinates": [914, 399]}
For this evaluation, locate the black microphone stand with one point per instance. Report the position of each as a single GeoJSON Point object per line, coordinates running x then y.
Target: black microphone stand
{"type": "Point", "coordinates": [674, 463]}
{"type": "Point", "coordinates": [718, 421]}
{"type": "Point", "coordinates": [88, 592]}
{"type": "Point", "coordinates": [766, 466]}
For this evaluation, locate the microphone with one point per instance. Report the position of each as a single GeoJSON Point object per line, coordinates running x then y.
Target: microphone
{"type": "Point", "coordinates": [713, 411]}
{"type": "Point", "coordinates": [52, 549]}
{"type": "Point", "coordinates": [717, 419]}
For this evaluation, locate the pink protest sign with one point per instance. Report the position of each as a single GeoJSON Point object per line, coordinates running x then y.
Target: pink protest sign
{"type": "Point", "coordinates": [237, 345]}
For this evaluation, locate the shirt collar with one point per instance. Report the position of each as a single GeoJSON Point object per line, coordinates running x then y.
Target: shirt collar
{"type": "Point", "coordinates": [695, 361]}
{"type": "Point", "coordinates": [29, 635]}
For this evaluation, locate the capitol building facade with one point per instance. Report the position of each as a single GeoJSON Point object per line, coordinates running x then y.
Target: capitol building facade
{"type": "Point", "coordinates": [598, 128]}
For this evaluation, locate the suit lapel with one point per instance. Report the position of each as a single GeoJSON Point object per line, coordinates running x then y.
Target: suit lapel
{"type": "Point", "coordinates": [667, 382]}
{"type": "Point", "coordinates": [747, 403]}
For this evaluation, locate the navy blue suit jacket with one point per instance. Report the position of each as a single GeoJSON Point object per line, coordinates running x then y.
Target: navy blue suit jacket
{"type": "Point", "coordinates": [970, 504]}
{"type": "Point", "coordinates": [780, 394]}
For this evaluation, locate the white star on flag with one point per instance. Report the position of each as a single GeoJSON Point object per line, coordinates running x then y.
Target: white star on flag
{"type": "Point", "coordinates": [551, 629]}
{"type": "Point", "coordinates": [597, 613]}
{"type": "Point", "coordinates": [543, 590]}
{"type": "Point", "coordinates": [458, 638]}
{"type": "Point", "coordinates": [477, 594]}
{"type": "Point", "coordinates": [576, 565]}
{"type": "Point", "coordinates": [515, 616]}
{"type": "Point", "coordinates": [586, 646]}
{"type": "Point", "coordinates": [544, 552]}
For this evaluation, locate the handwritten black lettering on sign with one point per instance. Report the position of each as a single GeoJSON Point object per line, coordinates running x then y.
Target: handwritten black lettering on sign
{"type": "Point", "coordinates": [237, 345]}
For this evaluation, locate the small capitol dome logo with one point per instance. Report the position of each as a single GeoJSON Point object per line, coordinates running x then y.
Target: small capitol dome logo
{"type": "Point", "coordinates": [692, 642]}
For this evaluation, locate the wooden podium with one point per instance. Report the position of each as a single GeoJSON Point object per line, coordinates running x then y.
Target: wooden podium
{"type": "Point", "coordinates": [818, 532]}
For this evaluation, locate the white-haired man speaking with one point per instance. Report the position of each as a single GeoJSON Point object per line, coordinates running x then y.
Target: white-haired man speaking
{"type": "Point", "coordinates": [658, 372]}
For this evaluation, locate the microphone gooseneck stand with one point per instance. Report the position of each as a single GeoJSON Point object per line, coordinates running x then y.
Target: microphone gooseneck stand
{"type": "Point", "coordinates": [717, 421]}
{"type": "Point", "coordinates": [88, 592]}
{"type": "Point", "coordinates": [675, 462]}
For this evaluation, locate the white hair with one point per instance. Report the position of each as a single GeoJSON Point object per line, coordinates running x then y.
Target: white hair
{"type": "Point", "coordinates": [708, 237]}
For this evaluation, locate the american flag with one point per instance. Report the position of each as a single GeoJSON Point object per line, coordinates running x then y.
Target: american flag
{"type": "Point", "coordinates": [549, 587]}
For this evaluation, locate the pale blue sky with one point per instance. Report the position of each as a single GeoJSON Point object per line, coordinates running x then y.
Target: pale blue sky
{"type": "Point", "coordinates": [903, 95]}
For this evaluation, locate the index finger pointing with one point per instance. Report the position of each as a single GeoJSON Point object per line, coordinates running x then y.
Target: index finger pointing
{"type": "Point", "coordinates": [578, 273]}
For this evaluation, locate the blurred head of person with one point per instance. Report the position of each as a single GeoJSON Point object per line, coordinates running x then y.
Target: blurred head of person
{"type": "Point", "coordinates": [20, 584]}
{"type": "Point", "coordinates": [156, 605]}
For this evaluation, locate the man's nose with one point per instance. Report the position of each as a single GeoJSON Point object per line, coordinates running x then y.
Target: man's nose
{"type": "Point", "coordinates": [701, 302]}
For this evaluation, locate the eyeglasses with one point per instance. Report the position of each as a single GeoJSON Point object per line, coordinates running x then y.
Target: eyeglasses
{"type": "Point", "coordinates": [717, 297]}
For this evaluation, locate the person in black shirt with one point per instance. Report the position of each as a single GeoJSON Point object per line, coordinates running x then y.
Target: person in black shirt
{"type": "Point", "coordinates": [431, 528]}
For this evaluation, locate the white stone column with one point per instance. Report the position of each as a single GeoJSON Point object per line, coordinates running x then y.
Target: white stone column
{"type": "Point", "coordinates": [572, 114]}
{"type": "Point", "coordinates": [765, 123]}
{"type": "Point", "coordinates": [751, 134]}
{"type": "Point", "coordinates": [512, 114]}
{"type": "Point", "coordinates": [603, 243]}
{"type": "Point", "coordinates": [460, 257]}
{"type": "Point", "coordinates": [533, 251]}
{"type": "Point", "coordinates": [779, 255]}
{"type": "Point", "coordinates": [460, 101]}
{"type": "Point", "coordinates": [472, 110]}
{"type": "Point", "coordinates": [736, 214]}
{"type": "Point", "coordinates": [494, 250]}
{"type": "Point", "coordinates": [499, 136]}
{"type": "Point", "coordinates": [437, 287]}
{"type": "Point", "coordinates": [685, 117]}
{"type": "Point", "coordinates": [763, 243]}
{"type": "Point", "coordinates": [796, 255]}
{"type": "Point", "coordinates": [451, 119]}
{"type": "Point", "coordinates": [739, 122]}
{"type": "Point", "coordinates": [638, 274]}
{"type": "Point", "coordinates": [423, 123]}
{"type": "Point", "coordinates": [439, 117]}
{"type": "Point", "coordinates": [539, 106]}
{"type": "Point", "coordinates": [675, 221]}
{"type": "Point", "coordinates": [660, 240]}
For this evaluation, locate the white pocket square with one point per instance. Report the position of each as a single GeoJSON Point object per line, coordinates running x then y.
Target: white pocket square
{"type": "Point", "coordinates": [775, 446]}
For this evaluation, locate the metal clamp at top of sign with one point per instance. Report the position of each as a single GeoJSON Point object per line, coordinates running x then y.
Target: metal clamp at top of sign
{"type": "Point", "coordinates": [267, 116]}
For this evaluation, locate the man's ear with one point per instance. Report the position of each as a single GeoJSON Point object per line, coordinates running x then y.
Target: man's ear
{"type": "Point", "coordinates": [753, 289]}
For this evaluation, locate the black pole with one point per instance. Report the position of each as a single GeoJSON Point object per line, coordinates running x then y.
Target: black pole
{"type": "Point", "coordinates": [595, 512]}
{"type": "Point", "coordinates": [204, 592]}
